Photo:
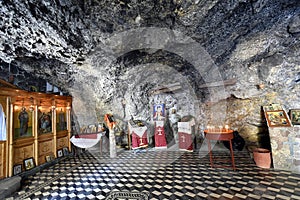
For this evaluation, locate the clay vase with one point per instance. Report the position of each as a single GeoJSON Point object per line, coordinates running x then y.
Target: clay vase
{"type": "Point", "coordinates": [262, 157]}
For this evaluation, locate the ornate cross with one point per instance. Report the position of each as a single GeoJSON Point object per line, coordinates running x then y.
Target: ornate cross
{"type": "Point", "coordinates": [183, 138]}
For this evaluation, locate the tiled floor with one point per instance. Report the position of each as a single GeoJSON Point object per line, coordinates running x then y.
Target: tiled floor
{"type": "Point", "coordinates": [159, 174]}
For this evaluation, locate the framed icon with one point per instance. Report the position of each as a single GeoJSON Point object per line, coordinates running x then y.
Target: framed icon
{"type": "Point", "coordinates": [17, 169]}
{"type": "Point", "coordinates": [158, 112]}
{"type": "Point", "coordinates": [49, 158]}
{"type": "Point", "coordinates": [29, 163]}
{"type": "Point", "coordinates": [22, 122]}
{"type": "Point", "coordinates": [295, 116]}
{"type": "Point", "coordinates": [60, 153]}
{"type": "Point", "coordinates": [65, 151]}
{"type": "Point", "coordinates": [277, 118]}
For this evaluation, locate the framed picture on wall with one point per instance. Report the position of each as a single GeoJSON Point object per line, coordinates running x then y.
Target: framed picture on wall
{"type": "Point", "coordinates": [60, 153]}
{"type": "Point", "coordinates": [29, 163]}
{"type": "Point", "coordinates": [295, 116]}
{"type": "Point", "coordinates": [277, 118]}
{"type": "Point", "coordinates": [65, 151]}
{"type": "Point", "coordinates": [48, 158]}
{"type": "Point", "coordinates": [17, 169]}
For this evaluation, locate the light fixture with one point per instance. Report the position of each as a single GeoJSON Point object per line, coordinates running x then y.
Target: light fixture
{"type": "Point", "coordinates": [53, 108]}
{"type": "Point", "coordinates": [31, 108]}
{"type": "Point", "coordinates": [53, 105]}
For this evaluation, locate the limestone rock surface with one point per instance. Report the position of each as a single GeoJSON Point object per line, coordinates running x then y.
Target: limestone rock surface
{"type": "Point", "coordinates": [110, 54]}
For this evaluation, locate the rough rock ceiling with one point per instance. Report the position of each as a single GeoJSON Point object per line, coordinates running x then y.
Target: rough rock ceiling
{"type": "Point", "coordinates": [71, 43]}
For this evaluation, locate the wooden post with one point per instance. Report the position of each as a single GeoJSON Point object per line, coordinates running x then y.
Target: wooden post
{"type": "Point", "coordinates": [35, 134]}
{"type": "Point", "coordinates": [129, 138]}
{"type": "Point", "coordinates": [8, 136]}
{"type": "Point", "coordinates": [69, 125]}
{"type": "Point", "coordinates": [10, 141]}
{"type": "Point", "coordinates": [53, 110]}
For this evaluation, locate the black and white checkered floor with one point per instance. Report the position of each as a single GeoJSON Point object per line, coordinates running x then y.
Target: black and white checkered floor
{"type": "Point", "coordinates": [158, 174]}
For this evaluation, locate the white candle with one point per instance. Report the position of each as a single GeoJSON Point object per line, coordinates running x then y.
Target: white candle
{"type": "Point", "coordinates": [208, 128]}
{"type": "Point", "coordinates": [220, 128]}
{"type": "Point", "coordinates": [226, 127]}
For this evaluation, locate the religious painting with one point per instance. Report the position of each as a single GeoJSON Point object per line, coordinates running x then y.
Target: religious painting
{"type": "Point", "coordinates": [158, 112]}
{"type": "Point", "coordinates": [65, 151]}
{"type": "Point", "coordinates": [29, 163]}
{"type": "Point", "coordinates": [49, 158]}
{"type": "Point", "coordinates": [23, 117]}
{"type": "Point", "coordinates": [277, 118]}
{"type": "Point", "coordinates": [17, 169]}
{"type": "Point", "coordinates": [44, 120]}
{"type": "Point", "coordinates": [61, 121]}
{"type": "Point", "coordinates": [295, 116]}
{"type": "Point", "coordinates": [60, 153]}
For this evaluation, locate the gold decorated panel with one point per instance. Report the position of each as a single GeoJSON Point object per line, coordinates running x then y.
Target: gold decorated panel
{"type": "Point", "coordinates": [62, 142]}
{"type": "Point", "coordinates": [23, 152]}
{"type": "Point", "coordinates": [62, 133]}
{"type": "Point", "coordinates": [45, 149]}
{"type": "Point", "coordinates": [23, 142]}
{"type": "Point", "coordinates": [2, 159]}
{"type": "Point", "coordinates": [45, 137]}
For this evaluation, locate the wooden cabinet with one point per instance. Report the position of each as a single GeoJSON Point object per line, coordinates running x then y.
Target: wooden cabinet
{"type": "Point", "coordinates": [37, 125]}
{"type": "Point", "coordinates": [45, 147]}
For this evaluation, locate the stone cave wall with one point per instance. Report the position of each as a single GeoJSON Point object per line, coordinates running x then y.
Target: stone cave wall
{"type": "Point", "coordinates": [20, 78]}
{"type": "Point", "coordinates": [71, 44]}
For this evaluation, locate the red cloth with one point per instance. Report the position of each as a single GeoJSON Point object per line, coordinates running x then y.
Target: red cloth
{"type": "Point", "coordinates": [87, 136]}
{"type": "Point", "coordinates": [185, 141]}
{"type": "Point", "coordinates": [160, 137]}
{"type": "Point", "coordinates": [138, 142]}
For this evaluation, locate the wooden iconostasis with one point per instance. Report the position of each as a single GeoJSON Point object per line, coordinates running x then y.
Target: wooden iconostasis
{"type": "Point", "coordinates": [35, 127]}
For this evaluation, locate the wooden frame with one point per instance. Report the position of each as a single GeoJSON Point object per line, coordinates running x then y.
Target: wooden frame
{"type": "Point", "coordinates": [60, 153]}
{"type": "Point", "coordinates": [17, 169]}
{"type": "Point", "coordinates": [29, 163]}
{"type": "Point", "coordinates": [295, 116]}
{"type": "Point", "coordinates": [277, 118]}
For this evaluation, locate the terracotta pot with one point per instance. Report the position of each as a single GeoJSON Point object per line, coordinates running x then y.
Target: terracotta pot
{"type": "Point", "coordinates": [262, 157]}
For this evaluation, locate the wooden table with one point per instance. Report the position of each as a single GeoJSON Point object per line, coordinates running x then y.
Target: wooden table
{"type": "Point", "coordinates": [219, 135]}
